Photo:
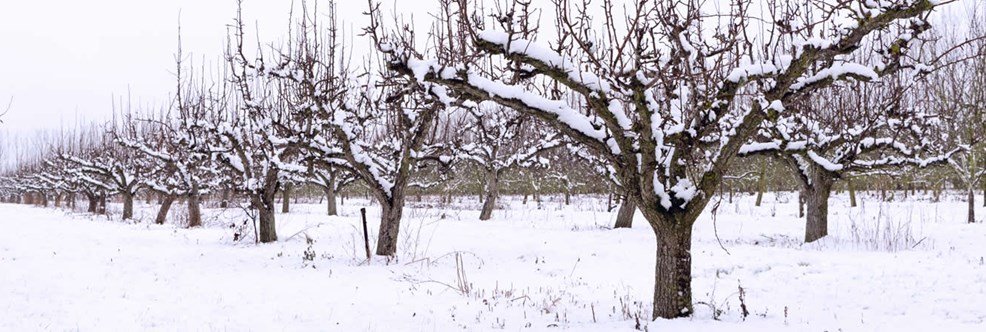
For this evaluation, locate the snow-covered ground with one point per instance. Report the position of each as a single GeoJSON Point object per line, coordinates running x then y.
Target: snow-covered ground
{"type": "Point", "coordinates": [907, 265]}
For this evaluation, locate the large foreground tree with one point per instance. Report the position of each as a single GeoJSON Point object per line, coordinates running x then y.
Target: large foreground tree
{"type": "Point", "coordinates": [667, 93]}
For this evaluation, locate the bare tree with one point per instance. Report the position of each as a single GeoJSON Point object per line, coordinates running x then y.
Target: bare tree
{"type": "Point", "coordinates": [502, 140]}
{"type": "Point", "coordinates": [667, 94]}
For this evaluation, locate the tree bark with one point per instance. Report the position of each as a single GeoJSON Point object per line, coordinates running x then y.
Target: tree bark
{"type": "Point", "coordinates": [194, 208]}
{"type": "Point", "coordinates": [817, 203]}
{"type": "Point", "coordinates": [330, 198]}
{"type": "Point", "coordinates": [972, 204]}
{"type": "Point", "coordinates": [128, 205]}
{"type": "Point", "coordinates": [761, 183]}
{"type": "Point", "coordinates": [93, 203]}
{"type": "Point", "coordinates": [624, 218]}
{"type": "Point", "coordinates": [673, 275]}
{"type": "Point", "coordinates": [162, 213]}
{"type": "Point", "coordinates": [491, 190]}
{"type": "Point", "coordinates": [224, 203]}
{"type": "Point", "coordinates": [58, 200]}
{"type": "Point", "coordinates": [390, 225]}
{"type": "Point", "coordinates": [265, 215]}
{"type": "Point", "coordinates": [286, 198]}
{"type": "Point", "coordinates": [101, 209]}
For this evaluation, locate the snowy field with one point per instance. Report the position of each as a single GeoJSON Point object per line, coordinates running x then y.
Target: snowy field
{"type": "Point", "coordinates": [901, 266]}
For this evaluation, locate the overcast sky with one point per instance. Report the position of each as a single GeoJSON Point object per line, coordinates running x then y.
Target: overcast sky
{"type": "Point", "coordinates": [62, 60]}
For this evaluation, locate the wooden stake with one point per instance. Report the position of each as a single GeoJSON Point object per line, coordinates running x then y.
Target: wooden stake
{"type": "Point", "coordinates": [366, 236]}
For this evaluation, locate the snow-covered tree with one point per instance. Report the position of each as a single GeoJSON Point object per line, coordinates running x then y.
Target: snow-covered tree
{"type": "Point", "coordinates": [500, 140]}
{"type": "Point", "coordinates": [378, 127]}
{"type": "Point", "coordinates": [850, 128]}
{"type": "Point", "coordinates": [959, 93]}
{"type": "Point", "coordinates": [668, 93]}
{"type": "Point", "coordinates": [108, 169]}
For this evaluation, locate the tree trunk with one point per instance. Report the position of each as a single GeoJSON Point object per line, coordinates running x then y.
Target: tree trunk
{"type": "Point", "coordinates": [761, 183]}
{"type": "Point", "coordinates": [818, 206]}
{"type": "Point", "coordinates": [58, 200]}
{"type": "Point", "coordinates": [972, 204]}
{"type": "Point", "coordinates": [330, 198]}
{"type": "Point", "coordinates": [624, 218]}
{"type": "Point", "coordinates": [286, 198]}
{"type": "Point", "coordinates": [224, 203]}
{"type": "Point", "coordinates": [390, 225]}
{"type": "Point", "coordinates": [93, 203]}
{"type": "Point", "coordinates": [491, 190]}
{"type": "Point", "coordinates": [128, 205]}
{"type": "Point", "coordinates": [673, 275]}
{"type": "Point", "coordinates": [162, 213]}
{"type": "Point", "coordinates": [265, 216]}
{"type": "Point", "coordinates": [102, 204]}
{"type": "Point", "coordinates": [194, 208]}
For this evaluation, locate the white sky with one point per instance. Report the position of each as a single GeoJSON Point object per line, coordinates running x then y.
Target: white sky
{"type": "Point", "coordinates": [63, 60]}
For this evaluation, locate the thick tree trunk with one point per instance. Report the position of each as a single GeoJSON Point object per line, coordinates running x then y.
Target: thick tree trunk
{"type": "Point", "coordinates": [491, 189]}
{"type": "Point", "coordinates": [162, 213]}
{"type": "Point", "coordinates": [390, 225]}
{"type": "Point", "coordinates": [265, 215]}
{"type": "Point", "coordinates": [128, 205]}
{"type": "Point", "coordinates": [818, 207]}
{"type": "Point", "coordinates": [194, 208]}
{"type": "Point", "coordinates": [673, 275]}
{"type": "Point", "coordinates": [624, 218]}
{"type": "Point", "coordinates": [330, 199]}
{"type": "Point", "coordinates": [93, 203]}
{"type": "Point", "coordinates": [286, 198]}
{"type": "Point", "coordinates": [102, 204]}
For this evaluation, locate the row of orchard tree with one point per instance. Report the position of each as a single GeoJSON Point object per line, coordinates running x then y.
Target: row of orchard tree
{"type": "Point", "coordinates": [664, 100]}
